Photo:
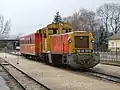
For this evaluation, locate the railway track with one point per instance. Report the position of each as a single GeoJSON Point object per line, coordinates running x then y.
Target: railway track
{"type": "Point", "coordinates": [94, 73]}
{"type": "Point", "coordinates": [113, 64]}
{"type": "Point", "coordinates": [103, 76]}
{"type": "Point", "coordinates": [24, 80]}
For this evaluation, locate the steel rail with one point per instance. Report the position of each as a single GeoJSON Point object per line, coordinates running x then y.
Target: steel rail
{"type": "Point", "coordinates": [104, 76]}
{"type": "Point", "coordinates": [2, 65]}
{"type": "Point", "coordinates": [26, 75]}
{"type": "Point", "coordinates": [112, 64]}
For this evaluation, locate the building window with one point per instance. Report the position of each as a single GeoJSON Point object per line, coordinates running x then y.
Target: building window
{"type": "Point", "coordinates": [112, 44]}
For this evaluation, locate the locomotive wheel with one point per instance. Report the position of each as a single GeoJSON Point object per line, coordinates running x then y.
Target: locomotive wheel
{"type": "Point", "coordinates": [44, 58]}
{"type": "Point", "coordinates": [56, 59]}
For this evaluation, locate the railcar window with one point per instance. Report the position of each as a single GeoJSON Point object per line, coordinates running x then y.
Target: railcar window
{"type": "Point", "coordinates": [21, 41]}
{"type": "Point", "coordinates": [30, 39]}
{"type": "Point", "coordinates": [26, 40]}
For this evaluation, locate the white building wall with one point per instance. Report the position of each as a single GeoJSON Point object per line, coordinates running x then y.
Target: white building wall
{"type": "Point", "coordinates": [114, 45]}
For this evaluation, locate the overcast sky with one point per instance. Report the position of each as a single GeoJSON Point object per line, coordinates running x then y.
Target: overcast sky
{"type": "Point", "coordinates": [28, 15]}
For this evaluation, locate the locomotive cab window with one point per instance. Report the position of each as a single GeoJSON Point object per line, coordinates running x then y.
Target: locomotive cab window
{"type": "Point", "coordinates": [52, 31]}
{"type": "Point", "coordinates": [66, 30]}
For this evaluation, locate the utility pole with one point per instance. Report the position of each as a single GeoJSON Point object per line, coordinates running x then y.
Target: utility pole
{"type": "Point", "coordinates": [18, 58]}
{"type": "Point", "coordinates": [17, 50]}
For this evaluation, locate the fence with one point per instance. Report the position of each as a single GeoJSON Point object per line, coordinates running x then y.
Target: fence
{"type": "Point", "coordinates": [110, 57]}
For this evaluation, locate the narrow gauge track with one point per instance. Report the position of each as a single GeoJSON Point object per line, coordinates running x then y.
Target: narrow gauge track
{"type": "Point", "coordinates": [94, 73]}
{"type": "Point", "coordinates": [112, 64]}
{"type": "Point", "coordinates": [103, 75]}
{"type": "Point", "coordinates": [25, 81]}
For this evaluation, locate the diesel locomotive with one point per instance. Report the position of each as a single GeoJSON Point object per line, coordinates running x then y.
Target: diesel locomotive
{"type": "Point", "coordinates": [59, 44]}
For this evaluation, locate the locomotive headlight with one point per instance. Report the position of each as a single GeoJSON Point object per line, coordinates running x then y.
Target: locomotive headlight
{"type": "Point", "coordinates": [92, 41]}
{"type": "Point", "coordinates": [69, 40]}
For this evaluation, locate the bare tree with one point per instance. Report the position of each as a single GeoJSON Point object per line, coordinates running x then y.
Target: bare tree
{"type": "Point", "coordinates": [88, 19]}
{"type": "Point", "coordinates": [17, 36]}
{"type": "Point", "coordinates": [73, 20]}
{"type": "Point", "coordinates": [110, 16]}
{"type": "Point", "coordinates": [115, 18]}
{"type": "Point", "coordinates": [82, 20]}
{"type": "Point", "coordinates": [4, 27]}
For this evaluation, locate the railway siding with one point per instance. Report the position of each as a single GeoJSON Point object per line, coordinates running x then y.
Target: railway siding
{"type": "Point", "coordinates": [108, 69]}
{"type": "Point", "coordinates": [59, 79]}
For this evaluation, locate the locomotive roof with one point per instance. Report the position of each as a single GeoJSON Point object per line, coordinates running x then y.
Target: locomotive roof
{"type": "Point", "coordinates": [54, 25]}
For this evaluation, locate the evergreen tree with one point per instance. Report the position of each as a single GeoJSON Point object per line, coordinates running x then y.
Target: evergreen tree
{"type": "Point", "coordinates": [101, 39]}
{"type": "Point", "coordinates": [57, 18]}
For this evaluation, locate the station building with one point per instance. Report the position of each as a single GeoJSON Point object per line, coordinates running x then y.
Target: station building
{"type": "Point", "coordinates": [114, 43]}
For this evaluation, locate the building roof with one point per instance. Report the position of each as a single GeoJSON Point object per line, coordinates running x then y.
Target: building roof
{"type": "Point", "coordinates": [114, 37]}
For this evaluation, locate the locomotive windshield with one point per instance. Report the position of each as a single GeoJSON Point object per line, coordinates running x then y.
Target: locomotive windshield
{"type": "Point", "coordinates": [52, 31]}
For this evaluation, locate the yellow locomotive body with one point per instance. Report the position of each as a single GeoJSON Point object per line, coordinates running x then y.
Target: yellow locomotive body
{"type": "Point", "coordinates": [62, 45]}
{"type": "Point", "coordinates": [81, 53]}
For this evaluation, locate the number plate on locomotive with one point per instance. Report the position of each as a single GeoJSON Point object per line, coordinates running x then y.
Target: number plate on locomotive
{"type": "Point", "coordinates": [84, 51]}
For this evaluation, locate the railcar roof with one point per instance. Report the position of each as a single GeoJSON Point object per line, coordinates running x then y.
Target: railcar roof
{"type": "Point", "coordinates": [28, 33]}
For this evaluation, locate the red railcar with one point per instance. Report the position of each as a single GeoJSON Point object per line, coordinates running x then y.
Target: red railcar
{"type": "Point", "coordinates": [29, 44]}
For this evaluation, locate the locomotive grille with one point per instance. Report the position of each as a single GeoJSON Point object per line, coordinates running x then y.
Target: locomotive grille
{"type": "Point", "coordinates": [81, 41]}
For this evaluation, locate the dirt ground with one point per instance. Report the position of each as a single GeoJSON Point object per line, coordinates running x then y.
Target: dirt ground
{"type": "Point", "coordinates": [60, 79]}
